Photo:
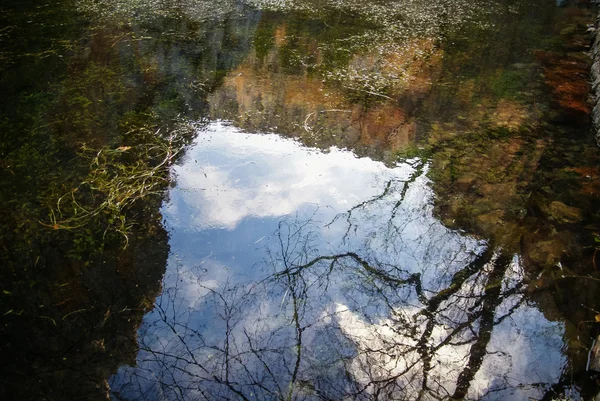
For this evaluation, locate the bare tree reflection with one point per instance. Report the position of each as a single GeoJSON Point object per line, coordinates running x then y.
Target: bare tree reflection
{"type": "Point", "coordinates": [348, 325]}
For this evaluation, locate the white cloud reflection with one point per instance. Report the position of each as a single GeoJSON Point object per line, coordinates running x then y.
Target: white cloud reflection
{"type": "Point", "coordinates": [230, 175]}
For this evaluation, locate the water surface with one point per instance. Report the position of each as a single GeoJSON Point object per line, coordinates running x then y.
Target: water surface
{"type": "Point", "coordinates": [289, 200]}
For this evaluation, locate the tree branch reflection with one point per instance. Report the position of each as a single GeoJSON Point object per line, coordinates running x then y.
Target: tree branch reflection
{"type": "Point", "coordinates": [347, 325]}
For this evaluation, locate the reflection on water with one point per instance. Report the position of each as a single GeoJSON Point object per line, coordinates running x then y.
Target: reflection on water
{"type": "Point", "coordinates": [299, 274]}
{"type": "Point", "coordinates": [295, 272]}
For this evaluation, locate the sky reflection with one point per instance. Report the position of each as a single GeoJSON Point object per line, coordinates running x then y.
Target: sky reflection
{"type": "Point", "coordinates": [299, 274]}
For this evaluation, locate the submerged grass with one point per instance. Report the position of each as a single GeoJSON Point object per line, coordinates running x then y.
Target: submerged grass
{"type": "Point", "coordinates": [117, 179]}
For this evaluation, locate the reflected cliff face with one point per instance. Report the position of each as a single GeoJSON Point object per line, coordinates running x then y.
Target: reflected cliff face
{"type": "Point", "coordinates": [376, 78]}
{"type": "Point", "coordinates": [298, 274]}
{"type": "Point", "coordinates": [336, 76]}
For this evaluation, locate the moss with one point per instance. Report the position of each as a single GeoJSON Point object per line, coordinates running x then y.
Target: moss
{"type": "Point", "coordinates": [510, 84]}
{"type": "Point", "coordinates": [414, 150]}
{"type": "Point", "coordinates": [264, 38]}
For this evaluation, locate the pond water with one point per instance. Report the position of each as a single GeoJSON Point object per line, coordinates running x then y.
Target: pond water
{"type": "Point", "coordinates": [297, 200]}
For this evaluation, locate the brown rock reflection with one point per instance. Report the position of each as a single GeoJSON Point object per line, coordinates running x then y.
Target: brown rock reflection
{"type": "Point", "coordinates": [348, 111]}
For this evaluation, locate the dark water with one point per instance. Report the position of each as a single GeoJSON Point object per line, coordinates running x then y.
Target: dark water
{"type": "Point", "coordinates": [286, 200]}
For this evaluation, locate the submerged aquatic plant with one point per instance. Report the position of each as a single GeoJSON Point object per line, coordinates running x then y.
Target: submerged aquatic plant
{"type": "Point", "coordinates": [117, 179]}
